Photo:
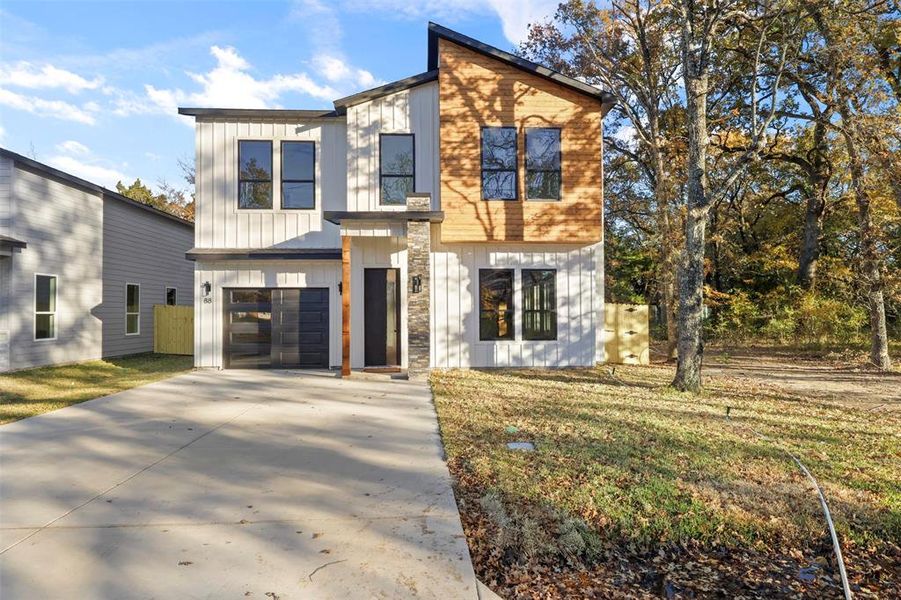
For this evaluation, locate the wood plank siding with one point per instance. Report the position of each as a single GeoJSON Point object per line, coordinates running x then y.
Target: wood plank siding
{"type": "Point", "coordinates": [475, 91]}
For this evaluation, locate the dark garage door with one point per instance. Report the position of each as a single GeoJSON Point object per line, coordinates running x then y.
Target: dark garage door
{"type": "Point", "coordinates": [276, 328]}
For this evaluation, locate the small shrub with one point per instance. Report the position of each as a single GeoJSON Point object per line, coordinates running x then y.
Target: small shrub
{"type": "Point", "coordinates": [824, 320]}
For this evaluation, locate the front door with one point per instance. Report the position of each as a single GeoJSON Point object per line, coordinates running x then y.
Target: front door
{"type": "Point", "coordinates": [381, 317]}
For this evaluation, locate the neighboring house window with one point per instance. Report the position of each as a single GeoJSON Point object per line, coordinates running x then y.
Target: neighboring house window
{"type": "Point", "coordinates": [542, 163]}
{"type": "Point", "coordinates": [45, 307]}
{"type": "Point", "coordinates": [254, 174]}
{"type": "Point", "coordinates": [132, 309]}
{"type": "Point", "coordinates": [299, 175]}
{"type": "Point", "coordinates": [397, 167]}
{"type": "Point", "coordinates": [495, 304]}
{"type": "Point", "coordinates": [499, 163]}
{"type": "Point", "coordinates": [539, 304]}
{"type": "Point", "coordinates": [171, 296]}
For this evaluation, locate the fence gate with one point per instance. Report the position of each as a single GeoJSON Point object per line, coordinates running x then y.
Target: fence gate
{"type": "Point", "coordinates": [173, 329]}
{"type": "Point", "coordinates": [626, 336]}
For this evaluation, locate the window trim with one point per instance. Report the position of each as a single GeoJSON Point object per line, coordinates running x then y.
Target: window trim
{"type": "Point", "coordinates": [412, 137]}
{"type": "Point", "coordinates": [271, 179]}
{"type": "Point", "coordinates": [138, 332]}
{"type": "Point", "coordinates": [166, 295]}
{"type": "Point", "coordinates": [35, 312]}
{"type": "Point", "coordinates": [483, 170]}
{"type": "Point", "coordinates": [282, 180]}
{"type": "Point", "coordinates": [555, 310]}
{"type": "Point", "coordinates": [511, 309]}
{"type": "Point", "coordinates": [558, 170]}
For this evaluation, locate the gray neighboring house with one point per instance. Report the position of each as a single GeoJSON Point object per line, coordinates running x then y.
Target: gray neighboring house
{"type": "Point", "coordinates": [81, 267]}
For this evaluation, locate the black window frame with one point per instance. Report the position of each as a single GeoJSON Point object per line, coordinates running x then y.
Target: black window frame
{"type": "Point", "coordinates": [282, 174]}
{"type": "Point", "coordinates": [510, 309]}
{"type": "Point", "coordinates": [270, 180]}
{"type": "Point", "coordinates": [483, 170]}
{"type": "Point", "coordinates": [174, 295]}
{"type": "Point", "coordinates": [558, 170]}
{"type": "Point", "coordinates": [382, 175]}
{"type": "Point", "coordinates": [553, 311]}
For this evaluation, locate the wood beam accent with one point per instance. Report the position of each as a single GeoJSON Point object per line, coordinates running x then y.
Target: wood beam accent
{"type": "Point", "coordinates": [345, 306]}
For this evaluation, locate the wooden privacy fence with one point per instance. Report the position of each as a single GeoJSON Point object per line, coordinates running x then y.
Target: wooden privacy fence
{"type": "Point", "coordinates": [626, 334]}
{"type": "Point", "coordinates": [173, 329]}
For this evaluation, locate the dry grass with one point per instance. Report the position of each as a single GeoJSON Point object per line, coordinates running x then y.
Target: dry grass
{"type": "Point", "coordinates": [643, 466]}
{"type": "Point", "coordinates": [35, 391]}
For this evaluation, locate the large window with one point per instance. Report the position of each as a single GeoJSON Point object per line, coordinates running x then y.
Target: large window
{"type": "Point", "coordinates": [539, 304]}
{"type": "Point", "coordinates": [254, 174]}
{"type": "Point", "coordinates": [499, 163]}
{"type": "Point", "coordinates": [496, 304]}
{"type": "Point", "coordinates": [542, 163]}
{"type": "Point", "coordinates": [132, 309]}
{"type": "Point", "coordinates": [397, 167]}
{"type": "Point", "coordinates": [299, 175]}
{"type": "Point", "coordinates": [45, 307]}
{"type": "Point", "coordinates": [171, 296]}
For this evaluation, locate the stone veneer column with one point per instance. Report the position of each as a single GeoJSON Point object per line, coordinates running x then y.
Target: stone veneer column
{"type": "Point", "coordinates": [419, 244]}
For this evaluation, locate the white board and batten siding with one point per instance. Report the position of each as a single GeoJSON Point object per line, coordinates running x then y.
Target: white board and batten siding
{"type": "Point", "coordinates": [455, 309]}
{"type": "Point", "coordinates": [208, 325]}
{"type": "Point", "coordinates": [6, 173]}
{"type": "Point", "coordinates": [409, 111]}
{"type": "Point", "coordinates": [219, 221]}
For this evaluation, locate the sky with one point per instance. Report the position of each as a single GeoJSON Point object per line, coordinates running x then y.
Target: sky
{"type": "Point", "coordinates": [93, 88]}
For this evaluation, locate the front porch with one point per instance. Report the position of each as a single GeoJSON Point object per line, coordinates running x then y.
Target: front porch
{"type": "Point", "coordinates": [385, 287]}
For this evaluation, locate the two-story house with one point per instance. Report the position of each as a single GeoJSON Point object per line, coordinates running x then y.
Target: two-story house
{"type": "Point", "coordinates": [450, 219]}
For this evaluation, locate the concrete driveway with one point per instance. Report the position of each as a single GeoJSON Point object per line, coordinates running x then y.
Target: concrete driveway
{"type": "Point", "coordinates": [233, 485]}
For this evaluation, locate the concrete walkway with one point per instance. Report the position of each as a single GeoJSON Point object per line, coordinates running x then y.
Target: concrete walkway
{"type": "Point", "coordinates": [233, 485]}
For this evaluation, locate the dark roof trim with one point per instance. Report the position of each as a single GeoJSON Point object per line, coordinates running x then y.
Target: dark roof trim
{"type": "Point", "coordinates": [8, 242]}
{"type": "Point", "coordinates": [437, 31]}
{"type": "Point", "coordinates": [263, 254]}
{"type": "Point", "coordinates": [389, 88]}
{"type": "Point", "coordinates": [257, 113]}
{"type": "Point", "coordinates": [392, 216]}
{"type": "Point", "coordinates": [86, 185]}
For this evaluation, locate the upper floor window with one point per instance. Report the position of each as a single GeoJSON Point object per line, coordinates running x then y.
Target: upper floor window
{"type": "Point", "coordinates": [499, 163]}
{"type": "Point", "coordinates": [496, 304]}
{"type": "Point", "coordinates": [171, 296]}
{"type": "Point", "coordinates": [397, 167]}
{"type": "Point", "coordinates": [539, 304]}
{"type": "Point", "coordinates": [45, 307]}
{"type": "Point", "coordinates": [543, 163]}
{"type": "Point", "coordinates": [299, 175]}
{"type": "Point", "coordinates": [254, 174]}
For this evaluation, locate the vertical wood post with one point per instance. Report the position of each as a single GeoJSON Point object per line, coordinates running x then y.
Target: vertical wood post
{"type": "Point", "coordinates": [345, 306]}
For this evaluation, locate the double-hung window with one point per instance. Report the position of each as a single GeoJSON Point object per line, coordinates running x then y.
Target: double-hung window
{"type": "Point", "coordinates": [496, 304]}
{"type": "Point", "coordinates": [45, 307]}
{"type": "Point", "coordinates": [254, 174]}
{"type": "Point", "coordinates": [299, 175]}
{"type": "Point", "coordinates": [132, 309]}
{"type": "Point", "coordinates": [397, 168]}
{"type": "Point", "coordinates": [499, 163]}
{"type": "Point", "coordinates": [542, 163]}
{"type": "Point", "coordinates": [539, 304]}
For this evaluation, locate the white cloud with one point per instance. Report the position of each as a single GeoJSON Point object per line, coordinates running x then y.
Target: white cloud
{"type": "Point", "coordinates": [90, 170]}
{"type": "Point", "coordinates": [28, 75]}
{"type": "Point", "coordinates": [2, 133]}
{"type": "Point", "coordinates": [337, 70]}
{"type": "Point", "coordinates": [73, 147]}
{"type": "Point", "coordinates": [57, 109]}
{"type": "Point", "coordinates": [230, 84]}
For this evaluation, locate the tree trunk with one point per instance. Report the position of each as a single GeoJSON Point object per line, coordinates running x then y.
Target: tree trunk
{"type": "Point", "coordinates": [666, 270]}
{"type": "Point", "coordinates": [871, 269]}
{"type": "Point", "coordinates": [810, 244]}
{"type": "Point", "coordinates": [691, 269]}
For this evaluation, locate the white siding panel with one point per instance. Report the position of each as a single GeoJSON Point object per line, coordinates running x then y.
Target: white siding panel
{"type": "Point", "coordinates": [455, 320]}
{"type": "Point", "coordinates": [6, 178]}
{"type": "Point", "coordinates": [208, 323]}
{"type": "Point", "coordinates": [220, 224]}
{"type": "Point", "coordinates": [409, 111]}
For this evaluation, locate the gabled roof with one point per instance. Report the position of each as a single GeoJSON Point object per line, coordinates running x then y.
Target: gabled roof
{"type": "Point", "coordinates": [383, 90]}
{"type": "Point", "coordinates": [437, 32]}
{"type": "Point", "coordinates": [82, 184]}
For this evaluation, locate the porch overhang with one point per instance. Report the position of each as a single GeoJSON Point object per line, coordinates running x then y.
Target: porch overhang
{"type": "Point", "coordinates": [263, 254]}
{"type": "Point", "coordinates": [8, 244]}
{"type": "Point", "coordinates": [342, 217]}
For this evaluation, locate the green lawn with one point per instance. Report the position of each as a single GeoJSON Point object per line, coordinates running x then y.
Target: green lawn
{"type": "Point", "coordinates": [631, 478]}
{"type": "Point", "coordinates": [35, 391]}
